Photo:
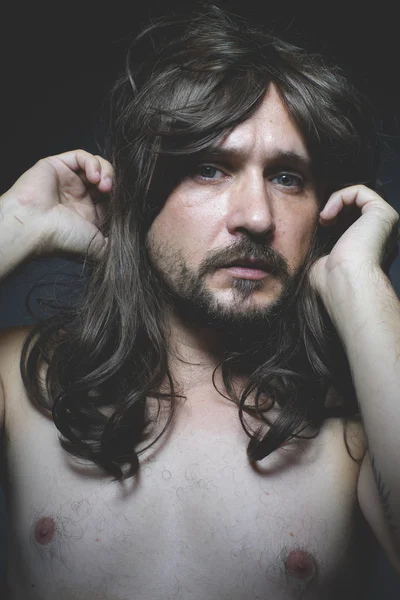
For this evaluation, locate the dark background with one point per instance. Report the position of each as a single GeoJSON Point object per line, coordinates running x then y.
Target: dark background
{"type": "Point", "coordinates": [58, 64]}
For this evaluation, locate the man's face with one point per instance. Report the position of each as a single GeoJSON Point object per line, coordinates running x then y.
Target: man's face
{"type": "Point", "coordinates": [255, 198]}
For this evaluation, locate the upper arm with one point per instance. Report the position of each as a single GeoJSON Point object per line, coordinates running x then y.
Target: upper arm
{"type": "Point", "coordinates": [371, 507]}
{"type": "Point", "coordinates": [10, 338]}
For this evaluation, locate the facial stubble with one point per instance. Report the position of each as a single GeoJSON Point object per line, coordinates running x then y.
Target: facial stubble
{"type": "Point", "coordinates": [240, 319]}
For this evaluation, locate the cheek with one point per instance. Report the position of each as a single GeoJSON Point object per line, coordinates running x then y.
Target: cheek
{"type": "Point", "coordinates": [297, 238]}
{"type": "Point", "coordinates": [165, 226]}
{"type": "Point", "coordinates": [187, 223]}
{"type": "Point", "coordinates": [177, 230]}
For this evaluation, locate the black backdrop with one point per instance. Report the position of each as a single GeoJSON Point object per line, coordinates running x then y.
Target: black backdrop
{"type": "Point", "coordinates": [57, 64]}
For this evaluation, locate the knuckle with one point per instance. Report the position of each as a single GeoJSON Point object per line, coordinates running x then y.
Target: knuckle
{"type": "Point", "coordinates": [98, 160]}
{"type": "Point", "coordinates": [106, 165]}
{"type": "Point", "coordinates": [44, 161]}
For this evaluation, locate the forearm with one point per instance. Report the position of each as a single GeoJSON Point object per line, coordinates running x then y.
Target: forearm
{"type": "Point", "coordinates": [365, 310]}
{"type": "Point", "coordinates": [19, 238]}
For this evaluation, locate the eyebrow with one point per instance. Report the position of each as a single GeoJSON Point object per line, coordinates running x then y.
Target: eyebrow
{"type": "Point", "coordinates": [290, 157]}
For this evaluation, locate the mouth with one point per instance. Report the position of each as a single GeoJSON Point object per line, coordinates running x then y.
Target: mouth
{"type": "Point", "coordinates": [249, 269]}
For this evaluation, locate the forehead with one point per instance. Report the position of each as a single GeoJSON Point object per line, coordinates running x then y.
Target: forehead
{"type": "Point", "coordinates": [270, 130]}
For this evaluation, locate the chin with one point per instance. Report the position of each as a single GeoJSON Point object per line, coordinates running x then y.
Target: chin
{"type": "Point", "coordinates": [246, 292]}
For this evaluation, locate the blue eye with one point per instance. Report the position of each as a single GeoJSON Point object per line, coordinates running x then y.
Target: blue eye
{"type": "Point", "coordinates": [289, 180]}
{"type": "Point", "coordinates": [206, 171]}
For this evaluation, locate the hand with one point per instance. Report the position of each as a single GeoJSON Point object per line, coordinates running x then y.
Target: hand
{"type": "Point", "coordinates": [59, 196]}
{"type": "Point", "coordinates": [370, 241]}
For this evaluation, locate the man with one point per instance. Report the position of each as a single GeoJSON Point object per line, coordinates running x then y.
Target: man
{"type": "Point", "coordinates": [241, 294]}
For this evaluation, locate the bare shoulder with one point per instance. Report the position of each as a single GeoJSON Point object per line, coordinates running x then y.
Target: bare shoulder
{"type": "Point", "coordinates": [11, 342]}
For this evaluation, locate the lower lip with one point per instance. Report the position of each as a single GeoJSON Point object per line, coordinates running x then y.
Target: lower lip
{"type": "Point", "coordinates": [247, 273]}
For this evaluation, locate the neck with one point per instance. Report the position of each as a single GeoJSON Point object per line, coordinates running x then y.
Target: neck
{"type": "Point", "coordinates": [195, 351]}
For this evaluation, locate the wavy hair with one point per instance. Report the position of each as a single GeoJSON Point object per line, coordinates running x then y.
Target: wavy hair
{"type": "Point", "coordinates": [190, 78]}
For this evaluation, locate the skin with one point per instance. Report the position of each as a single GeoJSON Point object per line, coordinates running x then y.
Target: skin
{"type": "Point", "coordinates": [231, 206]}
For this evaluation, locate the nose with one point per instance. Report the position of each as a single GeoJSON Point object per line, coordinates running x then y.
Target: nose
{"type": "Point", "coordinates": [251, 207]}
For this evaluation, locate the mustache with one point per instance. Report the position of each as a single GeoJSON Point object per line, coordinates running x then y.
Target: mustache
{"type": "Point", "coordinates": [244, 249]}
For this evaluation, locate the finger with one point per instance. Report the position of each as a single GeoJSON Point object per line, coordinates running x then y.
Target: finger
{"type": "Point", "coordinates": [100, 191]}
{"type": "Point", "coordinates": [81, 160]}
{"type": "Point", "coordinates": [335, 204]}
{"type": "Point", "coordinates": [107, 174]}
{"type": "Point", "coordinates": [102, 185]}
{"type": "Point", "coordinates": [357, 195]}
{"type": "Point", "coordinates": [96, 173]}
{"type": "Point", "coordinates": [342, 207]}
{"type": "Point", "coordinates": [93, 169]}
{"type": "Point", "coordinates": [97, 170]}
{"type": "Point", "coordinates": [99, 198]}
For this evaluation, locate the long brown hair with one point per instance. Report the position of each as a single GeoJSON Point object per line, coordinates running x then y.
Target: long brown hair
{"type": "Point", "coordinates": [190, 79]}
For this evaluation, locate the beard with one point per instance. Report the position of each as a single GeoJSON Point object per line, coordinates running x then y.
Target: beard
{"type": "Point", "coordinates": [242, 323]}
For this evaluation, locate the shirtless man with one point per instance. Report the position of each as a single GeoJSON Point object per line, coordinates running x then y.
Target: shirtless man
{"type": "Point", "coordinates": [198, 517]}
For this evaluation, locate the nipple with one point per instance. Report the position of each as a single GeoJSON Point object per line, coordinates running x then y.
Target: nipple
{"type": "Point", "coordinates": [44, 530]}
{"type": "Point", "coordinates": [300, 564]}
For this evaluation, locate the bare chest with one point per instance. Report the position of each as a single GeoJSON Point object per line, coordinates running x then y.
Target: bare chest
{"type": "Point", "coordinates": [197, 522]}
